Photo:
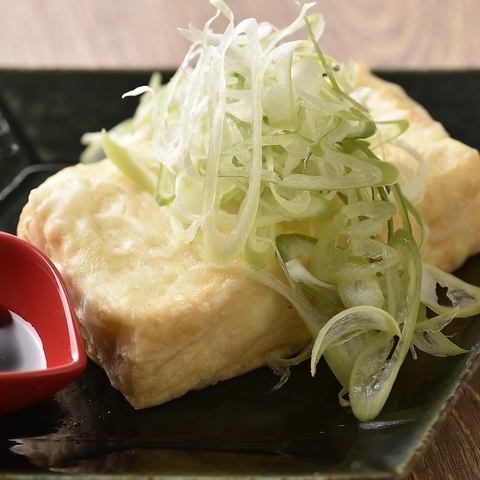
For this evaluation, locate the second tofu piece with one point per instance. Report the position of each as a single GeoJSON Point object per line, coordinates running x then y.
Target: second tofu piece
{"type": "Point", "coordinates": [451, 204]}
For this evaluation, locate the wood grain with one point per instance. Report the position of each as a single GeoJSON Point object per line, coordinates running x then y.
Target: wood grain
{"type": "Point", "coordinates": [455, 453]}
{"type": "Point", "coordinates": [143, 33]}
{"type": "Point", "coordinates": [382, 33]}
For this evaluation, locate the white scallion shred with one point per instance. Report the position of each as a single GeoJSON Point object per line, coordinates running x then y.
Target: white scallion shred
{"type": "Point", "coordinates": [348, 323]}
{"type": "Point", "coordinates": [459, 297]}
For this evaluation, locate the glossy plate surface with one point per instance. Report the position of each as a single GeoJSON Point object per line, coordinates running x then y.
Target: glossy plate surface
{"type": "Point", "coordinates": [238, 427]}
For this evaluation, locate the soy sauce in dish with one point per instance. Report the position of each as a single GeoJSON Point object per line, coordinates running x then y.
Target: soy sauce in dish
{"type": "Point", "coordinates": [21, 347]}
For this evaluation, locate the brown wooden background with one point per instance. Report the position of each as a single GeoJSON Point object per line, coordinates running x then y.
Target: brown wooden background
{"type": "Point", "coordinates": [143, 33]}
{"type": "Point", "coordinates": [382, 33]}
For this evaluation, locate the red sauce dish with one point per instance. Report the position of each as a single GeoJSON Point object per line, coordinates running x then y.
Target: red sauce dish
{"type": "Point", "coordinates": [36, 313]}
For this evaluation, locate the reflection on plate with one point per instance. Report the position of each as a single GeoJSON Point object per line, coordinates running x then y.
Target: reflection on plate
{"type": "Point", "coordinates": [238, 427]}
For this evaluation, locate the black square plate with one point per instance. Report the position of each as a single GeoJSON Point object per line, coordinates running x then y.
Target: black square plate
{"type": "Point", "coordinates": [238, 427]}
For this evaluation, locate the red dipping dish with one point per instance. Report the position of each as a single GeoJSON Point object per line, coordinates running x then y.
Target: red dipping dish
{"type": "Point", "coordinates": [32, 287]}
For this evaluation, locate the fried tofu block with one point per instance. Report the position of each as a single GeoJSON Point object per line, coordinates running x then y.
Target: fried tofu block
{"type": "Point", "coordinates": [154, 314]}
{"type": "Point", "coordinates": [157, 317]}
{"type": "Point", "coordinates": [451, 204]}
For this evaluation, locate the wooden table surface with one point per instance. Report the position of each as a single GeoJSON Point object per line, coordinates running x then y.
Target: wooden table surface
{"type": "Point", "coordinates": [382, 33]}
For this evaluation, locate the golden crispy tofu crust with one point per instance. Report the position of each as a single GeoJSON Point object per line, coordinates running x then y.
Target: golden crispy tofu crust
{"type": "Point", "coordinates": [154, 314]}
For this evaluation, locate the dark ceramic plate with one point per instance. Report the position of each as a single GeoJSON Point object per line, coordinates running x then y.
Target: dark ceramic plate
{"type": "Point", "coordinates": [238, 427]}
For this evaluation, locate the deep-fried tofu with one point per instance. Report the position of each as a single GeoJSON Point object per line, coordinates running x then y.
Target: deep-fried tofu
{"type": "Point", "coordinates": [157, 317]}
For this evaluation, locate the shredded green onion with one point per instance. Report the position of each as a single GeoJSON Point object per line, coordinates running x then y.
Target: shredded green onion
{"type": "Point", "coordinates": [460, 297]}
{"type": "Point", "coordinates": [350, 322]}
{"type": "Point", "coordinates": [436, 343]}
